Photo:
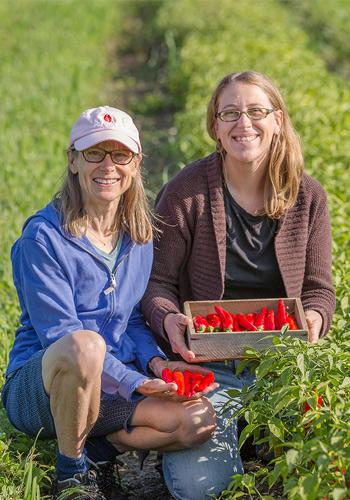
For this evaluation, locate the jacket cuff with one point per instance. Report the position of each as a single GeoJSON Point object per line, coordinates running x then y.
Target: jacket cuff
{"type": "Point", "coordinates": [130, 382]}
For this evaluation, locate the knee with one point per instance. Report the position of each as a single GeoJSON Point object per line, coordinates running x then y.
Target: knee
{"type": "Point", "coordinates": [85, 353]}
{"type": "Point", "coordinates": [199, 423]}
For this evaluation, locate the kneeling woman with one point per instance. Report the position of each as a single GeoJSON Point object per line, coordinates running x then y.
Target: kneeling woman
{"type": "Point", "coordinates": [84, 366]}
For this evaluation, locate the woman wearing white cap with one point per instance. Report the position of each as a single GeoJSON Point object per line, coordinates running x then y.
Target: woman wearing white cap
{"type": "Point", "coordinates": [84, 367]}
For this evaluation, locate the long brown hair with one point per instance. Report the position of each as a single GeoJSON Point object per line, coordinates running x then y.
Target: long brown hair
{"type": "Point", "coordinates": [133, 214]}
{"type": "Point", "coordinates": [286, 164]}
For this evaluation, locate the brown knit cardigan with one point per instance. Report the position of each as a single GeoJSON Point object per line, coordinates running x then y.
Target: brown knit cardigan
{"type": "Point", "coordinates": [189, 257]}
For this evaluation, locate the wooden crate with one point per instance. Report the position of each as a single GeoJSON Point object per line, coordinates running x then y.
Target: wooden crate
{"type": "Point", "coordinates": [218, 346]}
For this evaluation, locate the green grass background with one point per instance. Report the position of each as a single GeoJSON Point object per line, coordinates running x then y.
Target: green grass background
{"type": "Point", "coordinates": [60, 57]}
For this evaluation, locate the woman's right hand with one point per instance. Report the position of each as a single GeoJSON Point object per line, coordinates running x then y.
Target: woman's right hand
{"type": "Point", "coordinates": [175, 325]}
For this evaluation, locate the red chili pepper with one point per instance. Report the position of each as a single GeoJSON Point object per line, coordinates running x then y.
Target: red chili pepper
{"type": "Point", "coordinates": [307, 407]}
{"type": "Point", "coordinates": [207, 380]}
{"type": "Point", "coordinates": [251, 318]}
{"type": "Point", "coordinates": [196, 380]}
{"type": "Point", "coordinates": [200, 324]}
{"type": "Point", "coordinates": [277, 322]}
{"type": "Point", "coordinates": [188, 383]}
{"type": "Point", "coordinates": [282, 313]}
{"type": "Point", "coordinates": [179, 380]}
{"type": "Point", "coordinates": [260, 320]}
{"type": "Point", "coordinates": [226, 319]}
{"type": "Point", "coordinates": [236, 327]}
{"type": "Point", "coordinates": [292, 322]}
{"type": "Point", "coordinates": [167, 375]}
{"type": "Point", "coordinates": [270, 320]}
{"type": "Point", "coordinates": [242, 320]}
{"type": "Point", "coordinates": [215, 321]}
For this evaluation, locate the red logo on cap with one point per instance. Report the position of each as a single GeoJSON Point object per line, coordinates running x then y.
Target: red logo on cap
{"type": "Point", "coordinates": [107, 118]}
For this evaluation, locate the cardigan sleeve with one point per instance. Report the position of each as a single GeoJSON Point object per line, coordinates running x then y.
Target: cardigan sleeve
{"type": "Point", "coordinates": [318, 292]}
{"type": "Point", "coordinates": [304, 251]}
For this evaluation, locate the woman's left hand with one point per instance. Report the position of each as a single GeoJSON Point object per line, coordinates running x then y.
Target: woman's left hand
{"type": "Point", "coordinates": [157, 388]}
{"type": "Point", "coordinates": [314, 321]}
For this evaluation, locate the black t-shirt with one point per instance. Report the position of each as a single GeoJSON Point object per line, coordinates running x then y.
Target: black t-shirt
{"type": "Point", "coordinates": [251, 266]}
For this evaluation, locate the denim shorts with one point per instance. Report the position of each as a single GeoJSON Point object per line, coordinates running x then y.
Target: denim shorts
{"type": "Point", "coordinates": [28, 407]}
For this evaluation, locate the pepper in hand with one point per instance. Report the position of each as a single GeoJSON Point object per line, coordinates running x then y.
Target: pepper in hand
{"type": "Point", "coordinates": [196, 380]}
{"type": "Point", "coordinates": [207, 380]}
{"type": "Point", "coordinates": [180, 381]}
{"type": "Point", "coordinates": [188, 383]}
{"type": "Point", "coordinates": [167, 375]}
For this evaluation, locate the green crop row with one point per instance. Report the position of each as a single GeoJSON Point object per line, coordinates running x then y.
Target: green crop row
{"type": "Point", "coordinates": [327, 25]}
{"type": "Point", "coordinates": [262, 36]}
{"type": "Point", "coordinates": [54, 64]}
{"type": "Point", "coordinates": [206, 41]}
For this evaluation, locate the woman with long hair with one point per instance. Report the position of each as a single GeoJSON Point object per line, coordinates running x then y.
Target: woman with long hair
{"type": "Point", "coordinates": [84, 367]}
{"type": "Point", "coordinates": [244, 222]}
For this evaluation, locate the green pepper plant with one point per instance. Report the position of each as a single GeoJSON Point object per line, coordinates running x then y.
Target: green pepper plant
{"type": "Point", "coordinates": [299, 409]}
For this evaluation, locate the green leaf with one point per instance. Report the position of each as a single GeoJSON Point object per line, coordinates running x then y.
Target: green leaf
{"type": "Point", "coordinates": [276, 428]}
{"type": "Point", "coordinates": [339, 493]}
{"type": "Point", "coordinates": [301, 363]}
{"type": "Point", "coordinates": [346, 382]}
{"type": "Point", "coordinates": [249, 481]}
{"type": "Point", "coordinates": [284, 329]}
{"type": "Point", "coordinates": [234, 393]}
{"type": "Point", "coordinates": [28, 481]}
{"type": "Point", "coordinates": [264, 367]}
{"type": "Point", "coordinates": [292, 458]}
{"type": "Point", "coordinates": [309, 487]}
{"type": "Point", "coordinates": [242, 365]}
{"type": "Point", "coordinates": [247, 431]}
{"type": "Point", "coordinates": [287, 400]}
{"type": "Point", "coordinates": [345, 304]}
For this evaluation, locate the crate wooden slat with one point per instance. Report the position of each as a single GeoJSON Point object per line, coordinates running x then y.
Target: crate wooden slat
{"type": "Point", "coordinates": [218, 346]}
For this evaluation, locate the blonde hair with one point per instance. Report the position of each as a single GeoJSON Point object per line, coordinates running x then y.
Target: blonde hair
{"type": "Point", "coordinates": [133, 214]}
{"type": "Point", "coordinates": [286, 164]}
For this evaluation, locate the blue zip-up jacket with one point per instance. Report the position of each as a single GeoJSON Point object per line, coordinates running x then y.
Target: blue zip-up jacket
{"type": "Point", "coordinates": [63, 285]}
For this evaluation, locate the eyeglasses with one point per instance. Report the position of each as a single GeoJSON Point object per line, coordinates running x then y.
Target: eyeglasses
{"type": "Point", "coordinates": [233, 115]}
{"type": "Point", "coordinates": [119, 156]}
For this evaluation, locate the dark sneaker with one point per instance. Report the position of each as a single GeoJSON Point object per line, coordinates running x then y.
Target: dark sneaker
{"type": "Point", "coordinates": [79, 487]}
{"type": "Point", "coordinates": [108, 478]}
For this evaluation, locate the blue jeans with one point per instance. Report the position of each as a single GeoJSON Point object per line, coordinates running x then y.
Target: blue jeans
{"type": "Point", "coordinates": [197, 473]}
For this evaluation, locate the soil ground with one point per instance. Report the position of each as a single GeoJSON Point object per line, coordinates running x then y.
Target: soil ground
{"type": "Point", "coordinates": [145, 484]}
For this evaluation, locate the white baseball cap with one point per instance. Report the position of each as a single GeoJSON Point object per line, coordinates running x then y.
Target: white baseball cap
{"type": "Point", "coordinates": [104, 124]}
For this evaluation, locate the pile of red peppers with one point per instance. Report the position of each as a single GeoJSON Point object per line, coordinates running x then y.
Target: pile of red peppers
{"type": "Point", "coordinates": [188, 383]}
{"type": "Point", "coordinates": [266, 320]}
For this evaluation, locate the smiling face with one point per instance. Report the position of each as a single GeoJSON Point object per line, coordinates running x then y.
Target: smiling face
{"type": "Point", "coordinates": [103, 183]}
{"type": "Point", "coordinates": [246, 141]}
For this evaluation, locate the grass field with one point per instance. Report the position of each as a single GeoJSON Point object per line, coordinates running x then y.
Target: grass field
{"type": "Point", "coordinates": [61, 57]}
{"type": "Point", "coordinates": [54, 64]}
